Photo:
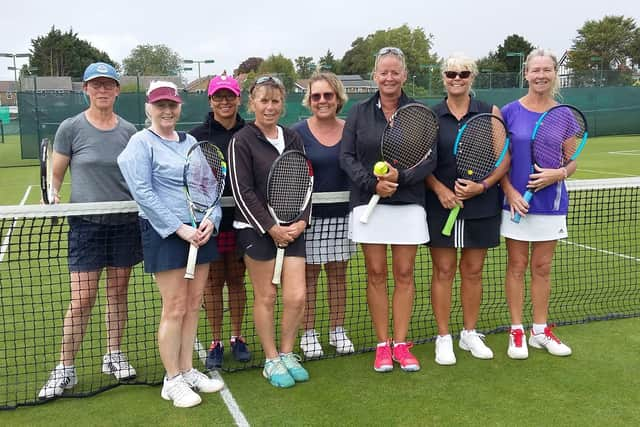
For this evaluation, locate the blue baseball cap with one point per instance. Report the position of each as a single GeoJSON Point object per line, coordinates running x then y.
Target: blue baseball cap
{"type": "Point", "coordinates": [100, 69]}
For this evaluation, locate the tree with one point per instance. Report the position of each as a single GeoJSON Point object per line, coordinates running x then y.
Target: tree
{"type": "Point", "coordinates": [329, 63]}
{"type": "Point", "coordinates": [249, 65]}
{"type": "Point", "coordinates": [64, 54]}
{"type": "Point", "coordinates": [414, 43]}
{"type": "Point", "coordinates": [152, 60]}
{"type": "Point", "coordinates": [278, 65]}
{"type": "Point", "coordinates": [603, 43]}
{"type": "Point", "coordinates": [304, 66]}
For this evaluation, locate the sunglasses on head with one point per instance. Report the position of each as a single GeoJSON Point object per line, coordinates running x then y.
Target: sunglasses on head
{"type": "Point", "coordinates": [266, 80]}
{"type": "Point", "coordinates": [316, 97]}
{"type": "Point", "coordinates": [390, 49]}
{"type": "Point", "coordinates": [454, 74]}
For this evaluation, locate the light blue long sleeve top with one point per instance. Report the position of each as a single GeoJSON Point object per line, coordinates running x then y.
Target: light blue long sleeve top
{"type": "Point", "coordinates": [153, 169]}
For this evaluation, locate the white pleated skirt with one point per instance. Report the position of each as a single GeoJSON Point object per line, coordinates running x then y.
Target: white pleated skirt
{"type": "Point", "coordinates": [534, 228]}
{"type": "Point", "coordinates": [390, 224]}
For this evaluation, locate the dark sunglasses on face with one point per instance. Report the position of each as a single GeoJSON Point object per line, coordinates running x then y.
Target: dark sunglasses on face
{"type": "Point", "coordinates": [454, 74]}
{"type": "Point", "coordinates": [328, 96]}
{"type": "Point", "coordinates": [218, 97]}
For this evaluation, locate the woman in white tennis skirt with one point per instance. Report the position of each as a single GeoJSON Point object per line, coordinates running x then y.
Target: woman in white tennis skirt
{"type": "Point", "coordinates": [544, 218]}
{"type": "Point", "coordinates": [399, 219]}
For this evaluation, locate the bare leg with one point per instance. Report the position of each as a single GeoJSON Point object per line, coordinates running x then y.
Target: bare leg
{"type": "Point", "coordinates": [375, 258]}
{"type": "Point", "coordinates": [444, 271]}
{"type": "Point", "coordinates": [541, 263]}
{"type": "Point", "coordinates": [84, 287]}
{"type": "Point", "coordinates": [337, 292]}
{"type": "Point", "coordinates": [517, 261]}
{"type": "Point", "coordinates": [264, 299]}
{"type": "Point", "coordinates": [471, 263]}
{"type": "Point", "coordinates": [294, 294]}
{"type": "Point", "coordinates": [234, 275]}
{"type": "Point", "coordinates": [312, 273]}
{"type": "Point", "coordinates": [213, 303]}
{"type": "Point", "coordinates": [404, 257]}
{"type": "Point", "coordinates": [117, 305]}
{"type": "Point", "coordinates": [192, 313]}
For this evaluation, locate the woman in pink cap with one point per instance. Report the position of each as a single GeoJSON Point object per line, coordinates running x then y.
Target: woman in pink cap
{"type": "Point", "coordinates": [219, 126]}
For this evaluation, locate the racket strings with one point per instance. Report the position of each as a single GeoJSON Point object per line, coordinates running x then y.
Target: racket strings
{"type": "Point", "coordinates": [409, 137]}
{"type": "Point", "coordinates": [480, 147]}
{"type": "Point", "coordinates": [201, 184]}
{"type": "Point", "coordinates": [288, 186]}
{"type": "Point", "coordinates": [557, 137]}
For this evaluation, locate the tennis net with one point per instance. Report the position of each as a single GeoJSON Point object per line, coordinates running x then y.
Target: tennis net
{"type": "Point", "coordinates": [596, 275]}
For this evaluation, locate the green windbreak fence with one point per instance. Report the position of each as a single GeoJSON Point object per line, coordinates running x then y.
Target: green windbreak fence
{"type": "Point", "coordinates": [609, 110]}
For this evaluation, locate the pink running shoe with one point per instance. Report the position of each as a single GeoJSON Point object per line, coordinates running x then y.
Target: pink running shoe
{"type": "Point", "coordinates": [384, 360]}
{"type": "Point", "coordinates": [403, 356]}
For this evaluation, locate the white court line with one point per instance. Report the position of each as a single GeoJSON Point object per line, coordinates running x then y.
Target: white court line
{"type": "Point", "coordinates": [605, 173]}
{"type": "Point", "coordinates": [601, 251]}
{"type": "Point", "coordinates": [626, 152]}
{"type": "Point", "coordinates": [227, 397]}
{"type": "Point", "coordinates": [7, 238]}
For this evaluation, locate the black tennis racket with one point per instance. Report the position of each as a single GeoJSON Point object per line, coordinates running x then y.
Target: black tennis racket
{"type": "Point", "coordinates": [480, 147]}
{"type": "Point", "coordinates": [407, 140]}
{"type": "Point", "coordinates": [203, 178]}
{"type": "Point", "coordinates": [558, 138]}
{"type": "Point", "coordinates": [46, 174]}
{"type": "Point", "coordinates": [289, 189]}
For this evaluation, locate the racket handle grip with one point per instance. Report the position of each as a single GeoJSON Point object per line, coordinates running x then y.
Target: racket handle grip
{"type": "Point", "coordinates": [277, 269]}
{"type": "Point", "coordinates": [191, 262]}
{"type": "Point", "coordinates": [367, 213]}
{"type": "Point", "coordinates": [448, 226]}
{"type": "Point", "coordinates": [527, 198]}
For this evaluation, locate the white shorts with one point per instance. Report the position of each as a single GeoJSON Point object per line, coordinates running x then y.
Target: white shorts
{"type": "Point", "coordinates": [390, 224]}
{"type": "Point", "coordinates": [534, 228]}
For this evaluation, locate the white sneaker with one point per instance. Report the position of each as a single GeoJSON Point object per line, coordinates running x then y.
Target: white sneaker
{"type": "Point", "coordinates": [179, 391]}
{"type": "Point", "coordinates": [310, 345]}
{"type": "Point", "coordinates": [444, 350]}
{"type": "Point", "coordinates": [62, 378]}
{"type": "Point", "coordinates": [474, 342]}
{"type": "Point", "coordinates": [517, 345]}
{"type": "Point", "coordinates": [116, 364]}
{"type": "Point", "coordinates": [201, 382]}
{"type": "Point", "coordinates": [549, 341]}
{"type": "Point", "coordinates": [338, 338]}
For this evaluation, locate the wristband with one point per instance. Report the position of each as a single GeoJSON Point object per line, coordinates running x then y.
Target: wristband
{"type": "Point", "coordinates": [485, 186]}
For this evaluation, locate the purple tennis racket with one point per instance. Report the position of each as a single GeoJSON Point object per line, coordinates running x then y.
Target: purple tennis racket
{"type": "Point", "coordinates": [558, 138]}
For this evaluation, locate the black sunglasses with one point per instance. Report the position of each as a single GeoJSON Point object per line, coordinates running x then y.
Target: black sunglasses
{"type": "Point", "coordinates": [454, 74]}
{"type": "Point", "coordinates": [328, 96]}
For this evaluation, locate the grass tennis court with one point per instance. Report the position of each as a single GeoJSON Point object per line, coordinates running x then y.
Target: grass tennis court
{"type": "Point", "coordinates": [594, 386]}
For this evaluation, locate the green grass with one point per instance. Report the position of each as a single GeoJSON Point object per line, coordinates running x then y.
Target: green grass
{"type": "Point", "coordinates": [584, 388]}
{"type": "Point", "coordinates": [597, 385]}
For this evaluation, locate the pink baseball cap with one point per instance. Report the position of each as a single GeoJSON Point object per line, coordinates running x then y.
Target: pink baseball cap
{"type": "Point", "coordinates": [224, 82]}
{"type": "Point", "coordinates": [163, 91]}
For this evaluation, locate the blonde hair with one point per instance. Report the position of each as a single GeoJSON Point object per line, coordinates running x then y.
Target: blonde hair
{"type": "Point", "coordinates": [390, 51]}
{"type": "Point", "coordinates": [270, 90]}
{"type": "Point", "coordinates": [460, 62]}
{"type": "Point", "coordinates": [541, 52]}
{"type": "Point", "coordinates": [333, 81]}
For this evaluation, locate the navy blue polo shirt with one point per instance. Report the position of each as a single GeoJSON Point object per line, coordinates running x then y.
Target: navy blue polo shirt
{"type": "Point", "coordinates": [482, 206]}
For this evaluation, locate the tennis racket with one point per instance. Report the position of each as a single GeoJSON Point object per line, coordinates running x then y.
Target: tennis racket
{"type": "Point", "coordinates": [407, 140]}
{"type": "Point", "coordinates": [480, 147]}
{"type": "Point", "coordinates": [46, 174]}
{"type": "Point", "coordinates": [203, 178]}
{"type": "Point", "coordinates": [289, 188]}
{"type": "Point", "coordinates": [558, 138]}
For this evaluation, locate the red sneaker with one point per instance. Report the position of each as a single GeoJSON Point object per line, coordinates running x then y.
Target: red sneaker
{"type": "Point", "coordinates": [403, 356]}
{"type": "Point", "coordinates": [384, 360]}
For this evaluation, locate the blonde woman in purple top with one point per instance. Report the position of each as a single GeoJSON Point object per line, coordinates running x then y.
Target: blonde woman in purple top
{"type": "Point", "coordinates": [533, 241]}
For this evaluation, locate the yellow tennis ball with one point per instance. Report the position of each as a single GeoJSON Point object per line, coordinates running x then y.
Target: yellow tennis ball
{"type": "Point", "coordinates": [380, 168]}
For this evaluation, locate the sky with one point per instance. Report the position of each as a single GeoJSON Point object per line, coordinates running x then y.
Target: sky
{"type": "Point", "coordinates": [230, 32]}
